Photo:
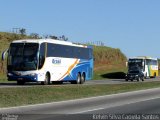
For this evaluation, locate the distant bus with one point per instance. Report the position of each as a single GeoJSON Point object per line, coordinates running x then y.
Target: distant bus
{"type": "Point", "coordinates": [49, 60]}
{"type": "Point", "coordinates": [148, 65]}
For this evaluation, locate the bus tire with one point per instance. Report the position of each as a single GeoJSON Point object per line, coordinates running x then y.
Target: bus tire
{"type": "Point", "coordinates": [126, 79]}
{"type": "Point", "coordinates": [154, 75]}
{"type": "Point", "coordinates": [47, 79]}
{"type": "Point", "coordinates": [146, 76]}
{"type": "Point", "coordinates": [78, 78]}
{"type": "Point", "coordinates": [82, 78]}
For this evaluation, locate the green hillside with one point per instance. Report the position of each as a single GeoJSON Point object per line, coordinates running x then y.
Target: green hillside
{"type": "Point", "coordinates": [109, 62]}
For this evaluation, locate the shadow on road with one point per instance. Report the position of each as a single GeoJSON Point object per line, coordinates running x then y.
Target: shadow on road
{"type": "Point", "coordinates": [29, 84]}
{"type": "Point", "coordinates": [114, 75]}
{"type": "Point", "coordinates": [7, 83]}
{"type": "Point", "coordinates": [15, 84]}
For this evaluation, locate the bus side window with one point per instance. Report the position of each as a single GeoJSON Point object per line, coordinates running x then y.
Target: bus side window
{"type": "Point", "coordinates": [41, 55]}
{"type": "Point", "coordinates": [91, 54]}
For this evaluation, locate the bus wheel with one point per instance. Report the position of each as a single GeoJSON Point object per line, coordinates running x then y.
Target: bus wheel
{"type": "Point", "coordinates": [20, 82]}
{"type": "Point", "coordinates": [146, 76]}
{"type": "Point", "coordinates": [154, 75]}
{"type": "Point", "coordinates": [78, 79]}
{"type": "Point", "coordinates": [47, 79]}
{"type": "Point", "coordinates": [82, 78]}
{"type": "Point", "coordinates": [138, 79]}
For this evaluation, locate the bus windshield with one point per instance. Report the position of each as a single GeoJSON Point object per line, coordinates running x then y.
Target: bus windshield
{"type": "Point", "coordinates": [23, 56]}
{"type": "Point", "coordinates": [135, 63]}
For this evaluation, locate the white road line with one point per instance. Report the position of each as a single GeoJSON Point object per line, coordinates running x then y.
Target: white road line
{"type": "Point", "coordinates": [111, 106]}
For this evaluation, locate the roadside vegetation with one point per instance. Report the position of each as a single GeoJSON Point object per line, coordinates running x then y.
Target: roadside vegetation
{"type": "Point", "coordinates": [109, 63]}
{"type": "Point", "coordinates": [43, 94]}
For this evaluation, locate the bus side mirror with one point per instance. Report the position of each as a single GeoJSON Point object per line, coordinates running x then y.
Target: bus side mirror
{"type": "Point", "coordinates": [4, 54]}
{"type": "Point", "coordinates": [142, 63]}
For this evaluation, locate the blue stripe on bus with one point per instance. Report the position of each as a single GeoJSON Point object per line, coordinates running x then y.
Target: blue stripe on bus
{"type": "Point", "coordinates": [81, 67]}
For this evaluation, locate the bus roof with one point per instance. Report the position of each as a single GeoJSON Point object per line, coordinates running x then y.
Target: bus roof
{"type": "Point", "coordinates": [143, 57]}
{"type": "Point", "coordinates": [48, 41]}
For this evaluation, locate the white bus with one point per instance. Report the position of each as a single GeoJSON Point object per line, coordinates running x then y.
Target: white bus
{"type": "Point", "coordinates": [148, 65]}
{"type": "Point", "coordinates": [49, 60]}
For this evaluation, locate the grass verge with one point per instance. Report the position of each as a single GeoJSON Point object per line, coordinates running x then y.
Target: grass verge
{"type": "Point", "coordinates": [3, 78]}
{"type": "Point", "coordinates": [43, 94]}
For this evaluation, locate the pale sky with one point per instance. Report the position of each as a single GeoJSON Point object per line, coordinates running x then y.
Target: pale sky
{"type": "Point", "coordinates": [131, 25]}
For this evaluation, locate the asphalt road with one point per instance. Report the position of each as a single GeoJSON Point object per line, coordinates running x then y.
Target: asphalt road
{"type": "Point", "coordinates": [151, 106]}
{"type": "Point", "coordinates": [133, 103]}
{"type": "Point", "coordinates": [90, 82]}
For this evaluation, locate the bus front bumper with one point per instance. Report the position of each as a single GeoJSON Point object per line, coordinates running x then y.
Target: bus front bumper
{"type": "Point", "coordinates": [26, 78]}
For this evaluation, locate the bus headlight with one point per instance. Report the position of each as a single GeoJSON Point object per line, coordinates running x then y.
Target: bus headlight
{"type": "Point", "coordinates": [32, 75]}
{"type": "Point", "coordinates": [10, 74]}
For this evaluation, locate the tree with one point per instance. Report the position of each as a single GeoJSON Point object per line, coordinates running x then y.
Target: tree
{"type": "Point", "coordinates": [53, 37]}
{"type": "Point", "coordinates": [64, 38]}
{"type": "Point", "coordinates": [34, 35]}
{"type": "Point", "coordinates": [22, 31]}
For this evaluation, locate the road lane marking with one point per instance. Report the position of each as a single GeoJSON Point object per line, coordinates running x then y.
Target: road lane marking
{"type": "Point", "coordinates": [112, 106]}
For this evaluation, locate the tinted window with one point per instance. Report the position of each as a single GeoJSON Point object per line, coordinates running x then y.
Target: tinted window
{"type": "Point", "coordinates": [56, 50]}
{"type": "Point", "coordinates": [42, 55]}
{"type": "Point", "coordinates": [151, 62]}
{"type": "Point", "coordinates": [23, 56]}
